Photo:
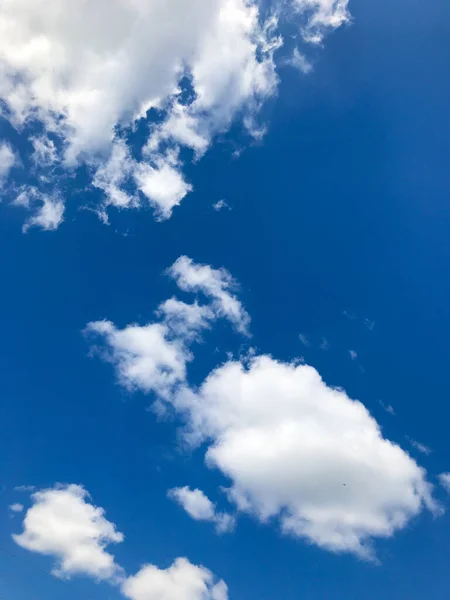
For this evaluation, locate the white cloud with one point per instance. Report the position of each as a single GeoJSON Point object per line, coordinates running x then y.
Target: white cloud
{"type": "Point", "coordinates": [186, 320]}
{"type": "Point", "coordinates": [145, 357]}
{"type": "Point", "coordinates": [299, 451]}
{"type": "Point", "coordinates": [47, 210]}
{"type": "Point", "coordinates": [444, 480]}
{"type": "Point", "coordinates": [353, 354]}
{"type": "Point", "coordinates": [369, 324]}
{"type": "Point", "coordinates": [63, 523]}
{"type": "Point", "coordinates": [44, 151]}
{"type": "Point", "coordinates": [221, 204]}
{"type": "Point", "coordinates": [325, 344]}
{"type": "Point", "coordinates": [300, 62]}
{"type": "Point", "coordinates": [420, 447]}
{"type": "Point", "coordinates": [323, 15]}
{"type": "Point", "coordinates": [181, 581]}
{"type": "Point", "coordinates": [24, 488]}
{"type": "Point", "coordinates": [387, 407]}
{"type": "Point", "coordinates": [216, 284]}
{"type": "Point", "coordinates": [304, 339]}
{"type": "Point", "coordinates": [114, 174]}
{"type": "Point", "coordinates": [7, 161]}
{"type": "Point", "coordinates": [48, 216]}
{"type": "Point", "coordinates": [162, 184]}
{"type": "Point", "coordinates": [16, 508]}
{"type": "Point", "coordinates": [199, 507]}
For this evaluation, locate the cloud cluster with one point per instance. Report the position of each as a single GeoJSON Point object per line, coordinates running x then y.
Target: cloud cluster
{"type": "Point", "coordinates": [153, 357]}
{"type": "Point", "coordinates": [294, 450]}
{"type": "Point", "coordinates": [200, 508]}
{"type": "Point", "coordinates": [62, 523]}
{"type": "Point", "coordinates": [86, 80]}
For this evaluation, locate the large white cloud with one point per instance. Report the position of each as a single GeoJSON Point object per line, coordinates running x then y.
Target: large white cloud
{"type": "Point", "coordinates": [181, 581]}
{"type": "Point", "coordinates": [306, 454]}
{"type": "Point", "coordinates": [63, 523]}
{"type": "Point", "coordinates": [86, 70]}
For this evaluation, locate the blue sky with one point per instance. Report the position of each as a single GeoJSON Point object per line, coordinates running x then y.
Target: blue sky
{"type": "Point", "coordinates": [331, 252]}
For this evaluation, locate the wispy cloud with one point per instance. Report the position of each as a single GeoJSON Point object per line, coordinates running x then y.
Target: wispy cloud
{"type": "Point", "coordinates": [387, 407]}
{"type": "Point", "coordinates": [304, 340]}
{"type": "Point", "coordinates": [220, 205]}
{"type": "Point", "coordinates": [420, 447]}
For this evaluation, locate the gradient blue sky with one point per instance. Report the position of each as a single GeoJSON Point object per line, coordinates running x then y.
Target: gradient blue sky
{"type": "Point", "coordinates": [339, 230]}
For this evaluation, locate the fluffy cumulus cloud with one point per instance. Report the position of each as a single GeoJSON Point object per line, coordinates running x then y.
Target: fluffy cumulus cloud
{"type": "Point", "coordinates": [299, 451]}
{"type": "Point", "coordinates": [146, 357]}
{"type": "Point", "coordinates": [181, 581]}
{"type": "Point", "coordinates": [86, 80]}
{"type": "Point", "coordinates": [64, 524]}
{"type": "Point", "coordinates": [153, 357]}
{"type": "Point", "coordinates": [200, 508]}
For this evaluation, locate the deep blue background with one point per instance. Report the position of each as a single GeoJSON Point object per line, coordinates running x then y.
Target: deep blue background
{"type": "Point", "coordinates": [344, 207]}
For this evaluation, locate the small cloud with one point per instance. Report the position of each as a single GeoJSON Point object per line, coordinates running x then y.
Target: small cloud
{"type": "Point", "coordinates": [420, 447]}
{"type": "Point", "coordinates": [16, 508]}
{"type": "Point", "coordinates": [387, 407]}
{"type": "Point", "coordinates": [300, 62]}
{"type": "Point", "coordinates": [200, 508]}
{"type": "Point", "coordinates": [369, 324]}
{"type": "Point", "coordinates": [8, 160]}
{"type": "Point", "coordinates": [444, 480]}
{"type": "Point", "coordinates": [221, 204]}
{"type": "Point", "coordinates": [47, 210]}
{"type": "Point", "coordinates": [304, 340]}
{"type": "Point", "coordinates": [353, 354]}
{"type": "Point", "coordinates": [25, 488]}
{"type": "Point", "coordinates": [325, 345]}
{"type": "Point", "coordinates": [349, 315]}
